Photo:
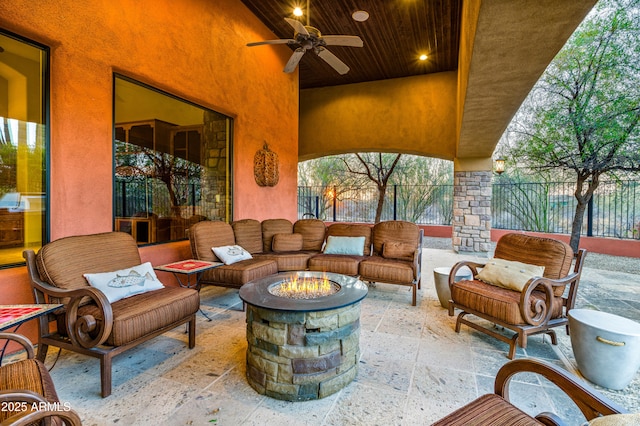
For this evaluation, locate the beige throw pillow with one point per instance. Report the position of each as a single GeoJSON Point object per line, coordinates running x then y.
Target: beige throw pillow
{"type": "Point", "coordinates": [508, 273]}
{"type": "Point", "coordinates": [616, 420]}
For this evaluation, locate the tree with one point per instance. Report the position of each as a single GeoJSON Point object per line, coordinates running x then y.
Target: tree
{"type": "Point", "coordinates": [582, 116]}
{"type": "Point", "coordinates": [378, 168]}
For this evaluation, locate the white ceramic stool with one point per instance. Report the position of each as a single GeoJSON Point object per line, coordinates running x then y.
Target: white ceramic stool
{"type": "Point", "coordinates": [441, 279]}
{"type": "Point", "coordinates": [606, 347]}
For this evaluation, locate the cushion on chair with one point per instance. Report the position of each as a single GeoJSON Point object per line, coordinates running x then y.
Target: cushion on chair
{"type": "Point", "coordinates": [289, 261]}
{"type": "Point", "coordinates": [344, 245]}
{"type": "Point", "coordinates": [313, 232]}
{"type": "Point", "coordinates": [271, 227]}
{"type": "Point", "coordinates": [395, 271]}
{"type": "Point", "coordinates": [628, 419]}
{"type": "Point", "coordinates": [488, 410]}
{"type": "Point", "coordinates": [338, 263]}
{"type": "Point", "coordinates": [207, 234]}
{"type": "Point", "coordinates": [26, 374]}
{"type": "Point", "coordinates": [240, 273]}
{"type": "Point", "coordinates": [248, 234]}
{"type": "Point", "coordinates": [508, 273]}
{"type": "Point", "coordinates": [398, 250]}
{"type": "Point", "coordinates": [287, 242]}
{"type": "Point", "coordinates": [352, 230]}
{"type": "Point", "coordinates": [145, 313]}
{"type": "Point", "coordinates": [63, 262]}
{"type": "Point", "coordinates": [231, 254]}
{"type": "Point", "coordinates": [394, 230]}
{"type": "Point", "coordinates": [498, 302]}
{"type": "Point", "coordinates": [127, 282]}
{"type": "Point", "coordinates": [554, 255]}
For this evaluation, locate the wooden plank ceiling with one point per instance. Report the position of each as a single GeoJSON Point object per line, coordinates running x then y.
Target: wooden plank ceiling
{"type": "Point", "coordinates": [395, 35]}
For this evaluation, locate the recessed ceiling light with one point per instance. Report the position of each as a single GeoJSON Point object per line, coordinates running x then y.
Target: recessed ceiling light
{"type": "Point", "coordinates": [297, 11]}
{"type": "Point", "coordinates": [423, 57]}
{"type": "Point", "coordinates": [360, 15]}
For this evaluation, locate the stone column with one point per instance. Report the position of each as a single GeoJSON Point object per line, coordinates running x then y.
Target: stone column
{"type": "Point", "coordinates": [472, 207]}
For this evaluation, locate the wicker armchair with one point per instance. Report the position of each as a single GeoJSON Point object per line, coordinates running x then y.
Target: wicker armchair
{"type": "Point", "coordinates": [543, 303]}
{"type": "Point", "coordinates": [496, 410]}
{"type": "Point", "coordinates": [26, 383]}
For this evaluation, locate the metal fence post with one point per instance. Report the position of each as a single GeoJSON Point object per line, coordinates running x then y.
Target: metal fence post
{"type": "Point", "coordinates": [590, 217]}
{"type": "Point", "coordinates": [395, 202]}
{"type": "Point", "coordinates": [335, 196]}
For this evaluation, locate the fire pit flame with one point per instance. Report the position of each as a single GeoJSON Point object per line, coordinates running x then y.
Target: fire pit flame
{"type": "Point", "coordinates": [304, 287]}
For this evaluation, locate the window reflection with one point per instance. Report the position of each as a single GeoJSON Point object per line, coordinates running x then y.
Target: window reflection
{"type": "Point", "coordinates": [22, 148]}
{"type": "Point", "coordinates": [171, 164]}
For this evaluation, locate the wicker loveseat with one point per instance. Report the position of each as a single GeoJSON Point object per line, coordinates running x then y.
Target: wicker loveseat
{"type": "Point", "coordinates": [391, 251]}
{"type": "Point", "coordinates": [89, 324]}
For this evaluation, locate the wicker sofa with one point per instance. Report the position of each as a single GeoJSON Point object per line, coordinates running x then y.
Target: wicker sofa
{"type": "Point", "coordinates": [89, 323]}
{"type": "Point", "coordinates": [391, 254]}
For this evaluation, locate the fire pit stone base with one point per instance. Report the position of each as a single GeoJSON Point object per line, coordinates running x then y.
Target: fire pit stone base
{"type": "Point", "coordinates": [300, 356]}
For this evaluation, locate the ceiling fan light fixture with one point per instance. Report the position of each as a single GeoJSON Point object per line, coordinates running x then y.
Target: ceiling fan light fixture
{"type": "Point", "coordinates": [297, 11]}
{"type": "Point", "coordinates": [423, 57]}
{"type": "Point", "coordinates": [360, 15]}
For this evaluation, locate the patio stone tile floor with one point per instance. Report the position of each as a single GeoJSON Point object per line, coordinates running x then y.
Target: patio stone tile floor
{"type": "Point", "coordinates": [413, 369]}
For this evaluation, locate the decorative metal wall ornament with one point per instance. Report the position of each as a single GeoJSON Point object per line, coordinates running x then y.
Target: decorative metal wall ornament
{"type": "Point", "coordinates": [265, 167]}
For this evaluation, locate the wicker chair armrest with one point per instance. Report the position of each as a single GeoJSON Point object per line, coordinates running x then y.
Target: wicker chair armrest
{"type": "Point", "coordinates": [473, 266]}
{"type": "Point", "coordinates": [45, 409]}
{"type": "Point", "coordinates": [589, 401]}
{"type": "Point", "coordinates": [26, 343]}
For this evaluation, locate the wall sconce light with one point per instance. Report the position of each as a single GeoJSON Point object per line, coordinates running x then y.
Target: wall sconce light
{"type": "Point", "coordinates": [499, 166]}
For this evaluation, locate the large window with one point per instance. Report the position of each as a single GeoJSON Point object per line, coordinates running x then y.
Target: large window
{"type": "Point", "coordinates": [172, 163]}
{"type": "Point", "coordinates": [23, 143]}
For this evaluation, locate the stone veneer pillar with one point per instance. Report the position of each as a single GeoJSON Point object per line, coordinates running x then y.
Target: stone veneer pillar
{"type": "Point", "coordinates": [472, 212]}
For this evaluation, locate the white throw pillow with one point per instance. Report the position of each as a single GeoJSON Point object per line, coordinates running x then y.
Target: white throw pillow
{"type": "Point", "coordinates": [344, 245]}
{"type": "Point", "coordinates": [127, 282]}
{"type": "Point", "coordinates": [509, 273]}
{"type": "Point", "coordinates": [231, 254]}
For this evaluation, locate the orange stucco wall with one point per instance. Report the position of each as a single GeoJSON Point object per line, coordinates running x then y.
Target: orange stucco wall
{"type": "Point", "coordinates": [194, 49]}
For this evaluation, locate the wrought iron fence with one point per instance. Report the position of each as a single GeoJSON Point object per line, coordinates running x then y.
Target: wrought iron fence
{"type": "Point", "coordinates": [614, 210]}
{"type": "Point", "coordinates": [136, 195]}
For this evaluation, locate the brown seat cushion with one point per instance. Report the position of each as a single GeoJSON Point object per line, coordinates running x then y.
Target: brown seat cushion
{"type": "Point", "coordinates": [139, 315]}
{"type": "Point", "coordinates": [554, 255]}
{"type": "Point", "coordinates": [240, 273]}
{"type": "Point", "coordinates": [289, 261]}
{"type": "Point", "coordinates": [312, 231]}
{"type": "Point", "coordinates": [488, 410]}
{"type": "Point", "coordinates": [26, 374]}
{"type": "Point", "coordinates": [248, 234]}
{"type": "Point", "coordinates": [271, 227]}
{"type": "Point", "coordinates": [376, 268]}
{"type": "Point", "coordinates": [339, 263]}
{"type": "Point", "coordinates": [497, 302]}
{"type": "Point", "coordinates": [286, 242]}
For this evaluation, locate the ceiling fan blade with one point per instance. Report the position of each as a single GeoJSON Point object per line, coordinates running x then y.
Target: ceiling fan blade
{"type": "Point", "coordinates": [281, 41]}
{"type": "Point", "coordinates": [333, 60]}
{"type": "Point", "coordinates": [293, 60]}
{"type": "Point", "coordinates": [342, 40]}
{"type": "Point", "coordinates": [298, 26]}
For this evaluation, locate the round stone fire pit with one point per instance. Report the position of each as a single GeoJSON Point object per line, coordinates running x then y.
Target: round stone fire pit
{"type": "Point", "coordinates": [303, 346]}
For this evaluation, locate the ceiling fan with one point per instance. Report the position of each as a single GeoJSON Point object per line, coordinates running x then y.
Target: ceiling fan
{"type": "Point", "coordinates": [307, 38]}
